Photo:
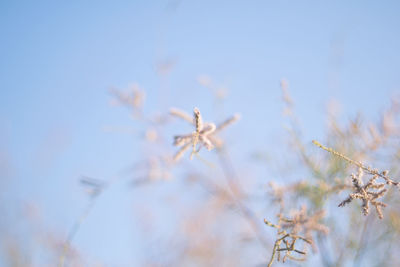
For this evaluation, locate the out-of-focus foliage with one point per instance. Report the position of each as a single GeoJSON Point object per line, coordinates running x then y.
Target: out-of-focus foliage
{"type": "Point", "coordinates": [228, 224]}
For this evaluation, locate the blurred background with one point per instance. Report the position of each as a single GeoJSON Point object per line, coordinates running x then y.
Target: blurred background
{"type": "Point", "coordinates": [77, 162]}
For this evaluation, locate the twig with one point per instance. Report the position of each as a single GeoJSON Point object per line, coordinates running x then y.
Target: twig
{"type": "Point", "coordinates": [357, 163]}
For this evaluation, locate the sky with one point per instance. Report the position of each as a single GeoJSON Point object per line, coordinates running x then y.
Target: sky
{"type": "Point", "coordinates": [58, 60]}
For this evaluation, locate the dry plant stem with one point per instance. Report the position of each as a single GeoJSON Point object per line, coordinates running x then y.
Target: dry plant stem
{"type": "Point", "coordinates": [78, 223]}
{"type": "Point", "coordinates": [276, 245]}
{"type": "Point", "coordinates": [288, 248]}
{"type": "Point", "coordinates": [357, 163]}
{"type": "Point", "coordinates": [199, 126]}
{"type": "Point", "coordinates": [289, 231]}
{"type": "Point", "coordinates": [74, 230]}
{"type": "Point", "coordinates": [231, 178]}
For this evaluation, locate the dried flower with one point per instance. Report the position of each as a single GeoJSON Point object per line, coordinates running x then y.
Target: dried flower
{"type": "Point", "coordinates": [370, 192]}
{"type": "Point", "coordinates": [203, 136]}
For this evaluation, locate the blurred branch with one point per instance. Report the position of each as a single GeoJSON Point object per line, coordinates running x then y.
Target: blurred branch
{"type": "Point", "coordinates": [232, 179]}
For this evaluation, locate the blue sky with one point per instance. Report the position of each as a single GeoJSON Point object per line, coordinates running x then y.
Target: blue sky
{"type": "Point", "coordinates": [59, 59]}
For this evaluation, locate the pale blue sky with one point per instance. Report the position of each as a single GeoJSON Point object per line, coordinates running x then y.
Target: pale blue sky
{"type": "Point", "coordinates": [59, 58]}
